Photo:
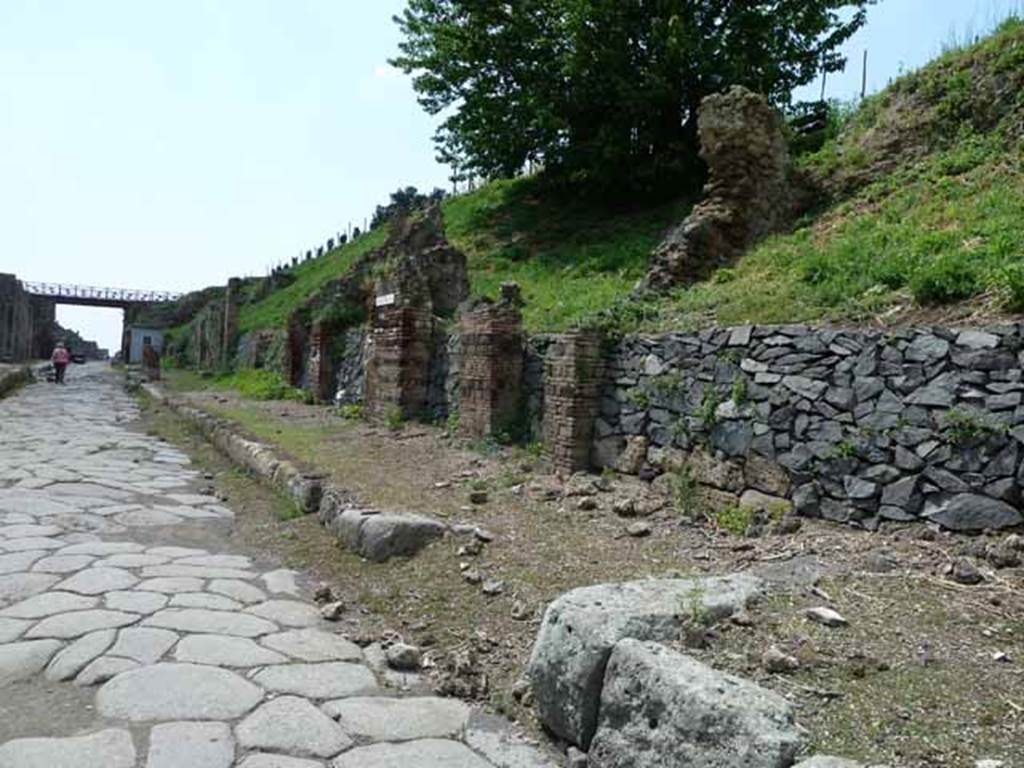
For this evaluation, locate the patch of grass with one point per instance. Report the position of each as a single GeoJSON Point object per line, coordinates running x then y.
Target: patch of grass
{"type": "Point", "coordinates": [310, 276]}
{"type": "Point", "coordinates": [923, 235]}
{"type": "Point", "coordinates": [257, 384]}
{"type": "Point", "coordinates": [708, 411]}
{"type": "Point", "coordinates": [571, 259]}
{"type": "Point", "coordinates": [962, 426]}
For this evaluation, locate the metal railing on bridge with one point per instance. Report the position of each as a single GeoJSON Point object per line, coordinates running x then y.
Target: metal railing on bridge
{"type": "Point", "coordinates": [92, 293]}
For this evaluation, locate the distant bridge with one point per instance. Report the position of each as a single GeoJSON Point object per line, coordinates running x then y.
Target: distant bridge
{"type": "Point", "coordinates": [90, 296]}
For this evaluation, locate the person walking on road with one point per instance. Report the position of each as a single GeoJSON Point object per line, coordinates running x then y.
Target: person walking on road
{"type": "Point", "coordinates": [60, 359]}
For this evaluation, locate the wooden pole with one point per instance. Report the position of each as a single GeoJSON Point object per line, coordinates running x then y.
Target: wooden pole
{"type": "Point", "coordinates": [864, 76]}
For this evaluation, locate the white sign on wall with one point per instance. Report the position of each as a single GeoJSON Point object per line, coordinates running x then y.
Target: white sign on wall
{"type": "Point", "coordinates": [387, 300]}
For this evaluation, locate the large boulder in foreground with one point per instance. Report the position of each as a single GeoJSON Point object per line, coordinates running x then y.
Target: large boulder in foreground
{"type": "Point", "coordinates": [581, 628]}
{"type": "Point", "coordinates": [664, 708]}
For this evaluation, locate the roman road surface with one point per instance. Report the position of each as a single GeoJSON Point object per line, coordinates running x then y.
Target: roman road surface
{"type": "Point", "coordinates": [129, 636]}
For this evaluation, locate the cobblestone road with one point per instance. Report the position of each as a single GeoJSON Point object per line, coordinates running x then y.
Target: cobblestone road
{"type": "Point", "coordinates": [128, 637]}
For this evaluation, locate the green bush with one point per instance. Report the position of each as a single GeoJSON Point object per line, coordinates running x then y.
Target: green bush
{"type": "Point", "coordinates": [351, 411]}
{"type": "Point", "coordinates": [394, 417]}
{"type": "Point", "coordinates": [1010, 282]}
{"type": "Point", "coordinates": [946, 280]}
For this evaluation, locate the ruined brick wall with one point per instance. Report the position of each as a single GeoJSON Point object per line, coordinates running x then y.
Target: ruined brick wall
{"type": "Point", "coordinates": [573, 372]}
{"type": "Point", "coordinates": [491, 371]}
{"type": "Point", "coordinates": [319, 377]}
{"type": "Point", "coordinates": [398, 369]}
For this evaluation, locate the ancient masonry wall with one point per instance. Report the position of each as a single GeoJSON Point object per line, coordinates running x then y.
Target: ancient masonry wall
{"type": "Point", "coordinates": [490, 371]}
{"type": "Point", "coordinates": [573, 370]}
{"type": "Point", "coordinates": [856, 427]}
{"type": "Point", "coordinates": [398, 371]}
{"type": "Point", "coordinates": [26, 323]}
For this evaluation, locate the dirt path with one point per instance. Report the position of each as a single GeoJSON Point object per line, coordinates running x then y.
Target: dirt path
{"type": "Point", "coordinates": [928, 672]}
{"type": "Point", "coordinates": [135, 631]}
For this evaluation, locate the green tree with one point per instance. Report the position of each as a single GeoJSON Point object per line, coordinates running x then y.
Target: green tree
{"type": "Point", "coordinates": [605, 91]}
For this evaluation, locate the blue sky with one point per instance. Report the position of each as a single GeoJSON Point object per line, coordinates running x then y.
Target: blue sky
{"type": "Point", "coordinates": [161, 145]}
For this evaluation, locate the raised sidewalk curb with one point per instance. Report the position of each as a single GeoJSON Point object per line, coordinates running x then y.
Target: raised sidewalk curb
{"type": "Point", "coordinates": [304, 488]}
{"type": "Point", "coordinates": [14, 378]}
{"type": "Point", "coordinates": [374, 534]}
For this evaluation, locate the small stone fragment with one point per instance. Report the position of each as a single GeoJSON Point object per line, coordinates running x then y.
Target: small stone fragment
{"type": "Point", "coordinates": [625, 508]}
{"type": "Point", "coordinates": [779, 663]}
{"type": "Point", "coordinates": [493, 587]}
{"type": "Point", "coordinates": [482, 534]}
{"type": "Point", "coordinates": [332, 611]}
{"type": "Point", "coordinates": [965, 572]}
{"type": "Point", "coordinates": [575, 759]}
{"type": "Point", "coordinates": [404, 657]}
{"type": "Point", "coordinates": [825, 616]}
{"type": "Point", "coordinates": [324, 593]}
{"type": "Point", "coordinates": [639, 530]}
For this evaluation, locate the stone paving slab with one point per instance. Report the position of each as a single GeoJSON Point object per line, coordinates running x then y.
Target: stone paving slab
{"type": "Point", "coordinates": [211, 658]}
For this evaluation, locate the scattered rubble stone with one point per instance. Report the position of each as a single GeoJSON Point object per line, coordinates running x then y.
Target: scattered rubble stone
{"type": "Point", "coordinates": [639, 530]}
{"type": "Point", "coordinates": [404, 657]}
{"type": "Point", "coordinates": [965, 572]}
{"type": "Point", "coordinates": [333, 611]}
{"type": "Point", "coordinates": [493, 587]}
{"type": "Point", "coordinates": [777, 662]}
{"type": "Point", "coordinates": [575, 759]}
{"type": "Point", "coordinates": [826, 616]}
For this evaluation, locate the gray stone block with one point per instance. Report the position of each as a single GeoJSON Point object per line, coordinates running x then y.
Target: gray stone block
{"type": "Point", "coordinates": [663, 708]}
{"type": "Point", "coordinates": [971, 512]}
{"type": "Point", "coordinates": [581, 628]}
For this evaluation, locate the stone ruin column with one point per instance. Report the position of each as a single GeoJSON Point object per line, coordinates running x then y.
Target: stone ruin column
{"type": "Point", "coordinates": [573, 370]}
{"type": "Point", "coordinates": [319, 364]}
{"type": "Point", "coordinates": [747, 195]}
{"type": "Point", "coordinates": [291, 362]}
{"type": "Point", "coordinates": [491, 367]}
{"type": "Point", "coordinates": [230, 319]}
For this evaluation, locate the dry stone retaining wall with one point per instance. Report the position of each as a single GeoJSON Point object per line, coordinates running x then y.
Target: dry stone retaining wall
{"type": "Point", "coordinates": [855, 426]}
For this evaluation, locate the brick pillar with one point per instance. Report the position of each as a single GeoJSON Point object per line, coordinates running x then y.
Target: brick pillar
{"type": "Point", "coordinates": [491, 370]}
{"type": "Point", "coordinates": [573, 368]}
{"type": "Point", "coordinates": [398, 372]}
{"type": "Point", "coordinates": [230, 319]}
{"type": "Point", "coordinates": [291, 359]}
{"type": "Point", "coordinates": [319, 364]}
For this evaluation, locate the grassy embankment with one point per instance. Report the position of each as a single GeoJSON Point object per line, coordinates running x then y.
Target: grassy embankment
{"type": "Point", "coordinates": [926, 222]}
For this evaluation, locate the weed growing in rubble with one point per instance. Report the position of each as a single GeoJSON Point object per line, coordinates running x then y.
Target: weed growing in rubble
{"type": "Point", "coordinates": [734, 519]}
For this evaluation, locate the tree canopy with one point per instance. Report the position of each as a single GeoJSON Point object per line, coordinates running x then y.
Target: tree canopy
{"type": "Point", "coordinates": [605, 91]}
{"type": "Point", "coordinates": [404, 200]}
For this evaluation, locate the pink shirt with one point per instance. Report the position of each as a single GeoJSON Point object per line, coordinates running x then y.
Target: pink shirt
{"type": "Point", "coordinates": [61, 356]}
